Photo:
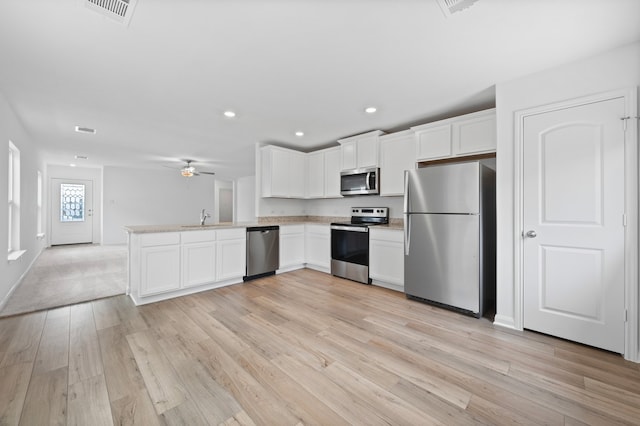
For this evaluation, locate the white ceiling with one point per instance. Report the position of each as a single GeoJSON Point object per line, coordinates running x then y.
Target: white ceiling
{"type": "Point", "coordinates": [156, 90]}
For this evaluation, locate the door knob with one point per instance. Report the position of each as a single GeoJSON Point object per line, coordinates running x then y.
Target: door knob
{"type": "Point", "coordinates": [531, 234]}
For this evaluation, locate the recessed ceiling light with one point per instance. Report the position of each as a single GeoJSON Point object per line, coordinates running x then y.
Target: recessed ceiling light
{"type": "Point", "coordinates": [72, 165]}
{"type": "Point", "coordinates": [299, 134]}
{"type": "Point", "coordinates": [370, 110]}
{"type": "Point", "coordinates": [229, 114]}
{"type": "Point", "coordinates": [89, 130]}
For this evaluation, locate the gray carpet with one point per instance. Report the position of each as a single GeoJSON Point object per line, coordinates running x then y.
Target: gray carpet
{"type": "Point", "coordinates": [65, 275]}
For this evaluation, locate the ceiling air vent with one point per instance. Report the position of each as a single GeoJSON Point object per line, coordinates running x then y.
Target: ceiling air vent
{"type": "Point", "coordinates": [117, 10]}
{"type": "Point", "coordinates": [450, 7]}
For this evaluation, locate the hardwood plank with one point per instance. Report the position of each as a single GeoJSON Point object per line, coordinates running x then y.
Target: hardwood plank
{"type": "Point", "coordinates": [85, 360]}
{"type": "Point", "coordinates": [394, 408]}
{"type": "Point", "coordinates": [120, 368]}
{"type": "Point", "coordinates": [46, 400]}
{"type": "Point", "coordinates": [239, 419]}
{"type": "Point", "coordinates": [134, 409]}
{"type": "Point", "coordinates": [298, 400]}
{"type": "Point", "coordinates": [162, 382]}
{"type": "Point", "coordinates": [212, 401]}
{"type": "Point", "coordinates": [23, 339]}
{"type": "Point", "coordinates": [53, 352]}
{"type": "Point", "coordinates": [339, 398]}
{"type": "Point", "coordinates": [13, 390]}
{"type": "Point", "coordinates": [88, 402]}
{"type": "Point", "coordinates": [258, 402]}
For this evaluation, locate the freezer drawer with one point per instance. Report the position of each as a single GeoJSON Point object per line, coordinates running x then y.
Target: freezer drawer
{"type": "Point", "coordinates": [442, 259]}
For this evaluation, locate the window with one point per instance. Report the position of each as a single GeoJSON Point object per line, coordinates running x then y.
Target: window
{"type": "Point", "coordinates": [71, 202]}
{"type": "Point", "coordinates": [39, 206]}
{"type": "Point", "coordinates": [14, 201]}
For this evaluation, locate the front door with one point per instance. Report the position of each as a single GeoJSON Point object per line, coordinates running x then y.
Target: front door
{"type": "Point", "coordinates": [573, 208]}
{"type": "Point", "coordinates": [72, 211]}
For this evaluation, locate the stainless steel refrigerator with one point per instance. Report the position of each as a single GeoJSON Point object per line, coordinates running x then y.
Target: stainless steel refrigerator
{"type": "Point", "coordinates": [450, 236]}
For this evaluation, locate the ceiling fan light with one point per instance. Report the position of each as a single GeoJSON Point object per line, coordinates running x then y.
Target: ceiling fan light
{"type": "Point", "coordinates": [187, 171]}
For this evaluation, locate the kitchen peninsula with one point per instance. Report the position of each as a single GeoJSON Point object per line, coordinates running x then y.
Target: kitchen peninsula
{"type": "Point", "coordinates": [166, 261]}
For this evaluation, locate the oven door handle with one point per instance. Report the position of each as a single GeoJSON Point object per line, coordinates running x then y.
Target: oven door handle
{"type": "Point", "coordinates": [349, 228]}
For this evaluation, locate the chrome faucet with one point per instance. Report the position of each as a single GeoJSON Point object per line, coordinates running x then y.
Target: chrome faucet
{"type": "Point", "coordinates": [203, 216]}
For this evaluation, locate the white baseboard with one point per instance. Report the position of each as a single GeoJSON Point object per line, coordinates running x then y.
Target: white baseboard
{"type": "Point", "coordinates": [504, 321]}
{"type": "Point", "coordinates": [15, 285]}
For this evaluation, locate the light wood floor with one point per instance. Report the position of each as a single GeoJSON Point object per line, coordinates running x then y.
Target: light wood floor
{"type": "Point", "coordinates": [299, 348]}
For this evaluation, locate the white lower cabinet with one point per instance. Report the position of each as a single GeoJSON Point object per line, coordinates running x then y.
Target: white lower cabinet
{"type": "Point", "coordinates": [292, 253]}
{"type": "Point", "coordinates": [160, 270]}
{"type": "Point", "coordinates": [317, 247]}
{"type": "Point", "coordinates": [170, 264]}
{"type": "Point", "coordinates": [386, 257]}
{"type": "Point", "coordinates": [231, 254]}
{"type": "Point", "coordinates": [198, 258]}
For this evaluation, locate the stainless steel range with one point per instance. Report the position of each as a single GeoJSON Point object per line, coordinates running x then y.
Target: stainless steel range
{"type": "Point", "coordinates": [350, 243]}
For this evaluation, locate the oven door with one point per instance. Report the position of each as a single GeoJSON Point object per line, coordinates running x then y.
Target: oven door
{"type": "Point", "coordinates": [350, 244]}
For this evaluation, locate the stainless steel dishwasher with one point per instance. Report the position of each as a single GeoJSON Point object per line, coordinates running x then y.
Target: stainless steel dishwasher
{"type": "Point", "coordinates": [263, 251]}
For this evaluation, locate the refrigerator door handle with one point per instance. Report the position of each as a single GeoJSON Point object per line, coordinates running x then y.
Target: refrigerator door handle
{"type": "Point", "coordinates": [407, 233]}
{"type": "Point", "coordinates": [406, 191]}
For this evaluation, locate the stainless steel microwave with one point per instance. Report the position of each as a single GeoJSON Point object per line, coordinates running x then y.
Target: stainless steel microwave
{"type": "Point", "coordinates": [365, 181]}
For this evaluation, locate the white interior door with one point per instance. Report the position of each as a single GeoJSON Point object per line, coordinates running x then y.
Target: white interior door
{"type": "Point", "coordinates": [71, 211]}
{"type": "Point", "coordinates": [573, 207]}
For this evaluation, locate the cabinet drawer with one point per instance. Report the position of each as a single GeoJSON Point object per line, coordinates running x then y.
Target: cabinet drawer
{"type": "Point", "coordinates": [231, 234]}
{"type": "Point", "coordinates": [159, 239]}
{"type": "Point", "coordinates": [198, 236]}
{"type": "Point", "coordinates": [388, 235]}
{"type": "Point", "coordinates": [291, 229]}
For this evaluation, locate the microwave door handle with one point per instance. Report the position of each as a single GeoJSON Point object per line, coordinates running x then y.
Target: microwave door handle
{"type": "Point", "coordinates": [368, 181]}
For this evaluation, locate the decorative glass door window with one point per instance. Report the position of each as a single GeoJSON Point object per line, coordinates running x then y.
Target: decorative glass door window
{"type": "Point", "coordinates": [71, 202]}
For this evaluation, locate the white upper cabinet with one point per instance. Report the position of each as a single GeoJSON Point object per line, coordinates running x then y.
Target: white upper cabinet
{"type": "Point", "coordinates": [332, 167]}
{"type": "Point", "coordinates": [315, 175]}
{"type": "Point", "coordinates": [475, 135]}
{"type": "Point", "coordinates": [323, 173]}
{"type": "Point", "coordinates": [397, 154]}
{"type": "Point", "coordinates": [434, 142]}
{"type": "Point", "coordinates": [282, 172]}
{"type": "Point", "coordinates": [360, 151]}
{"type": "Point", "coordinates": [465, 135]}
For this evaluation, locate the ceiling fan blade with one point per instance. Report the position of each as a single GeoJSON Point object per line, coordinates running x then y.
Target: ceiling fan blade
{"type": "Point", "coordinates": [207, 173]}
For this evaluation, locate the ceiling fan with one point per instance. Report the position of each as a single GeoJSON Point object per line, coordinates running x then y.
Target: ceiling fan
{"type": "Point", "coordinates": [188, 170]}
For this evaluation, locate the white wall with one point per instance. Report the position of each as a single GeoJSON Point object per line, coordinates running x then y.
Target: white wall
{"type": "Point", "coordinates": [616, 69]}
{"type": "Point", "coordinates": [245, 199]}
{"type": "Point", "coordinates": [341, 206]}
{"type": "Point", "coordinates": [30, 163]}
{"type": "Point", "coordinates": [86, 173]}
{"type": "Point", "coordinates": [144, 197]}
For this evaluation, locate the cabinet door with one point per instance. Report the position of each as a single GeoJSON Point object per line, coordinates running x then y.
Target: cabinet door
{"type": "Point", "coordinates": [332, 169]}
{"type": "Point", "coordinates": [349, 155]}
{"type": "Point", "coordinates": [160, 269]}
{"type": "Point", "coordinates": [367, 151]}
{"type": "Point", "coordinates": [318, 246]}
{"type": "Point", "coordinates": [475, 135]}
{"type": "Point", "coordinates": [315, 172]}
{"type": "Point", "coordinates": [291, 246]}
{"type": "Point", "coordinates": [386, 256]}
{"type": "Point", "coordinates": [198, 263]}
{"type": "Point", "coordinates": [396, 156]}
{"type": "Point", "coordinates": [294, 173]}
{"type": "Point", "coordinates": [231, 253]}
{"type": "Point", "coordinates": [434, 142]}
